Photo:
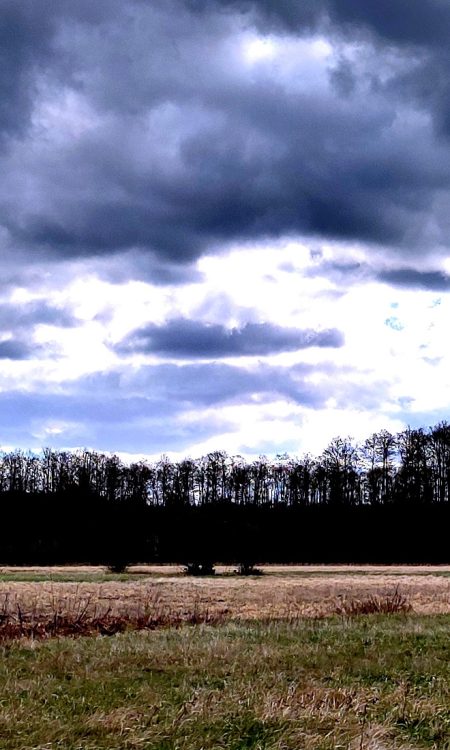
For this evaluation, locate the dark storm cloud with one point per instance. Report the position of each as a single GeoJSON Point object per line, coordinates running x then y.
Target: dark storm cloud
{"type": "Point", "coordinates": [422, 26]}
{"type": "Point", "coordinates": [25, 36]}
{"type": "Point", "coordinates": [408, 21]}
{"type": "Point", "coordinates": [167, 144]}
{"type": "Point", "coordinates": [193, 339]}
{"type": "Point", "coordinates": [418, 22]}
{"type": "Point", "coordinates": [29, 50]}
{"type": "Point", "coordinates": [434, 281]}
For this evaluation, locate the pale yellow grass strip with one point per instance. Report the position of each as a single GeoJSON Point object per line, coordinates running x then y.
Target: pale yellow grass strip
{"type": "Point", "coordinates": [265, 597]}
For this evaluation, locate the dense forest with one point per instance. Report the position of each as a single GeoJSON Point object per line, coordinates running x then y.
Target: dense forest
{"type": "Point", "coordinates": [387, 500]}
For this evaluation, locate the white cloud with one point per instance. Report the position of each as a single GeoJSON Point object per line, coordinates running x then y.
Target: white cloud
{"type": "Point", "coordinates": [270, 283]}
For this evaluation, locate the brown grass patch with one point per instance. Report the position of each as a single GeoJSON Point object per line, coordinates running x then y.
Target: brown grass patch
{"type": "Point", "coordinates": [88, 616]}
{"type": "Point", "coordinates": [169, 569]}
{"type": "Point", "coordinates": [46, 608]}
{"type": "Point", "coordinates": [392, 603]}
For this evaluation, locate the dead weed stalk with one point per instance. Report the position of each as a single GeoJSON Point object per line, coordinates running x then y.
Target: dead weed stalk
{"type": "Point", "coordinates": [87, 617]}
{"type": "Point", "coordinates": [389, 604]}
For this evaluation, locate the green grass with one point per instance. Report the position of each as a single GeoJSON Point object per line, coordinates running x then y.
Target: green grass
{"type": "Point", "coordinates": [368, 682]}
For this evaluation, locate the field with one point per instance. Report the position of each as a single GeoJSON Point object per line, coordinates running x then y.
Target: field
{"type": "Point", "coordinates": [278, 662]}
{"type": "Point", "coordinates": [282, 592]}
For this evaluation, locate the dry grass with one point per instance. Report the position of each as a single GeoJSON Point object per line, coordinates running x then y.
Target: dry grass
{"type": "Point", "coordinates": [390, 604]}
{"type": "Point", "coordinates": [49, 607]}
{"type": "Point", "coordinates": [81, 617]}
{"type": "Point", "coordinates": [172, 569]}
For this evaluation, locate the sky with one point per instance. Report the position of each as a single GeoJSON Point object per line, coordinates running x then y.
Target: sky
{"type": "Point", "coordinates": [224, 224]}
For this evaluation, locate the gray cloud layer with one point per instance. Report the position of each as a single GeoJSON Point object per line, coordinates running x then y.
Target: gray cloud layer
{"type": "Point", "coordinates": [410, 277]}
{"type": "Point", "coordinates": [193, 339]}
{"type": "Point", "coordinates": [139, 410]}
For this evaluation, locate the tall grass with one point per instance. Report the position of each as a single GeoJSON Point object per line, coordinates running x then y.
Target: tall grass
{"type": "Point", "coordinates": [78, 614]}
{"type": "Point", "coordinates": [391, 603]}
{"type": "Point", "coordinates": [81, 616]}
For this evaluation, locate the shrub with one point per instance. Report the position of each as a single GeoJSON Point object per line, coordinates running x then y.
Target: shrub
{"type": "Point", "coordinates": [248, 569]}
{"type": "Point", "coordinates": [199, 568]}
{"type": "Point", "coordinates": [117, 566]}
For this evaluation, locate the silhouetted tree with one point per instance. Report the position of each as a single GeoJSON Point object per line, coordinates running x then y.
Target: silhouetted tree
{"type": "Point", "coordinates": [386, 498]}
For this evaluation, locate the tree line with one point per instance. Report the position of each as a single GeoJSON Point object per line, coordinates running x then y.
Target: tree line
{"type": "Point", "coordinates": [386, 499]}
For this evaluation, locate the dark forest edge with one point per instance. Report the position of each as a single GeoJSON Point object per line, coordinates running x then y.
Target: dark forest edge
{"type": "Point", "coordinates": [384, 501]}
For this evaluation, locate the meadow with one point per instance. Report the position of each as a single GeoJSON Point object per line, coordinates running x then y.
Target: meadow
{"type": "Point", "coordinates": [282, 661]}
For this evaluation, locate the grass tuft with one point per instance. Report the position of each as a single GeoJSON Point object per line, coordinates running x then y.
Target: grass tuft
{"type": "Point", "coordinates": [391, 604]}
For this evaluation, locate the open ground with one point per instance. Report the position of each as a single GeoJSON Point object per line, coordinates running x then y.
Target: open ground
{"type": "Point", "coordinates": [282, 592]}
{"type": "Point", "coordinates": [275, 662]}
